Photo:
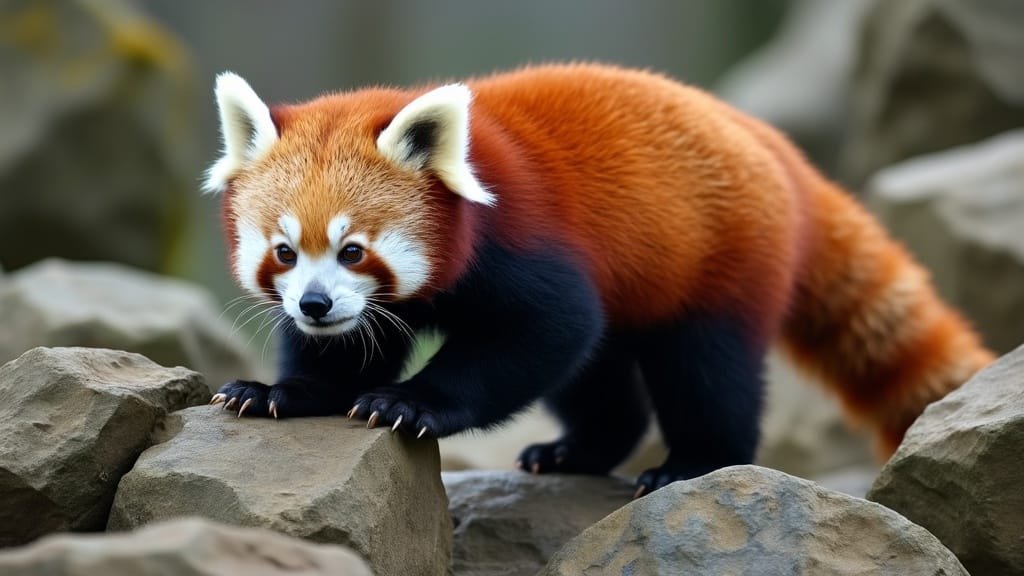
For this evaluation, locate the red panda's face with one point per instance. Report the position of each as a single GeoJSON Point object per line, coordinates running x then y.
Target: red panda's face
{"type": "Point", "coordinates": [331, 207]}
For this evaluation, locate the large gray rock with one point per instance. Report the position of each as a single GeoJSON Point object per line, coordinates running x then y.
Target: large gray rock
{"type": "Point", "coordinates": [962, 212]}
{"type": "Point", "coordinates": [933, 74]}
{"type": "Point", "coordinates": [750, 520]}
{"type": "Point", "coordinates": [72, 421]}
{"type": "Point", "coordinates": [512, 523]}
{"type": "Point", "coordinates": [184, 547]}
{"type": "Point", "coordinates": [175, 323]}
{"type": "Point", "coordinates": [327, 480]}
{"type": "Point", "coordinates": [97, 158]}
{"type": "Point", "coordinates": [959, 471]}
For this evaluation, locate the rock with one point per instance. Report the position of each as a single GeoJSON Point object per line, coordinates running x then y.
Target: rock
{"type": "Point", "coordinates": [933, 74]}
{"type": "Point", "coordinates": [328, 480]}
{"type": "Point", "coordinates": [183, 547]}
{"type": "Point", "coordinates": [817, 39]}
{"type": "Point", "coordinates": [72, 422]}
{"type": "Point", "coordinates": [175, 323]}
{"type": "Point", "coordinates": [961, 212]}
{"type": "Point", "coordinates": [958, 471]}
{"type": "Point", "coordinates": [97, 156]}
{"type": "Point", "coordinates": [512, 523]}
{"type": "Point", "coordinates": [738, 518]}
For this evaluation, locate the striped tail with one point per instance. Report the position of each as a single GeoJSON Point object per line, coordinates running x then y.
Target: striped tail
{"type": "Point", "coordinates": [865, 317]}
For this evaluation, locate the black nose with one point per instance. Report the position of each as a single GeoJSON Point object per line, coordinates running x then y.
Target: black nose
{"type": "Point", "coordinates": [316, 305]}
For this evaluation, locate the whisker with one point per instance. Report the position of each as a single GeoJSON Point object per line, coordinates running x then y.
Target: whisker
{"type": "Point", "coordinates": [282, 316]}
{"type": "Point", "coordinates": [256, 315]}
{"type": "Point", "coordinates": [238, 301]}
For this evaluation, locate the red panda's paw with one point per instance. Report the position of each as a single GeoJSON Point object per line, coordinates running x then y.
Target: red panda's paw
{"type": "Point", "coordinates": [566, 456]}
{"type": "Point", "coordinates": [667, 473]}
{"type": "Point", "coordinates": [291, 398]}
{"type": "Point", "coordinates": [245, 397]}
{"type": "Point", "coordinates": [400, 409]}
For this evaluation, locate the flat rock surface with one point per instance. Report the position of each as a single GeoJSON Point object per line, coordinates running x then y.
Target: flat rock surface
{"type": "Point", "coordinates": [72, 421]}
{"type": "Point", "coordinates": [104, 305]}
{"type": "Point", "coordinates": [183, 547]}
{"type": "Point", "coordinates": [328, 480]}
{"type": "Point", "coordinates": [959, 471]}
{"type": "Point", "coordinates": [751, 520]}
{"type": "Point", "coordinates": [512, 523]}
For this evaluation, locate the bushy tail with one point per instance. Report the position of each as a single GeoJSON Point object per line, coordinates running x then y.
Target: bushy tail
{"type": "Point", "coordinates": [866, 318]}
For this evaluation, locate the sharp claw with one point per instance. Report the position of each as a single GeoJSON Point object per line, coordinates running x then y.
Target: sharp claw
{"type": "Point", "coordinates": [639, 492]}
{"type": "Point", "coordinates": [273, 409]}
{"type": "Point", "coordinates": [535, 469]}
{"type": "Point", "coordinates": [231, 403]}
{"type": "Point", "coordinates": [217, 399]}
{"type": "Point", "coordinates": [352, 413]}
{"type": "Point", "coordinates": [423, 431]}
{"type": "Point", "coordinates": [372, 422]}
{"type": "Point", "coordinates": [245, 405]}
{"type": "Point", "coordinates": [398, 423]}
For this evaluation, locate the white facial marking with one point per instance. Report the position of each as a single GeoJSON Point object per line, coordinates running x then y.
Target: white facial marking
{"type": "Point", "coordinates": [246, 128]}
{"type": "Point", "coordinates": [252, 248]}
{"type": "Point", "coordinates": [432, 133]}
{"type": "Point", "coordinates": [346, 290]}
{"type": "Point", "coordinates": [406, 259]}
{"type": "Point", "coordinates": [291, 228]}
{"type": "Point", "coordinates": [359, 239]}
{"type": "Point", "coordinates": [336, 229]}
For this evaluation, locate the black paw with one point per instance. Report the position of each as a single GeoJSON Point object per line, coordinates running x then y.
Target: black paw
{"type": "Point", "coordinates": [666, 474]}
{"type": "Point", "coordinates": [245, 397]}
{"type": "Point", "coordinates": [563, 455]}
{"type": "Point", "coordinates": [288, 398]}
{"type": "Point", "coordinates": [401, 409]}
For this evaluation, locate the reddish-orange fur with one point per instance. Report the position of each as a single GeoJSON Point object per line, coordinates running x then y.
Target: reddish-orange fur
{"type": "Point", "coordinates": [674, 201]}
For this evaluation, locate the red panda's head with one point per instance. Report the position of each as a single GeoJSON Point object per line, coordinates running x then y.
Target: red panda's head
{"type": "Point", "coordinates": [344, 202]}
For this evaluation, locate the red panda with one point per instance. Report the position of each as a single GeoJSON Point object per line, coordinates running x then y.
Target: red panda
{"type": "Point", "coordinates": [605, 240]}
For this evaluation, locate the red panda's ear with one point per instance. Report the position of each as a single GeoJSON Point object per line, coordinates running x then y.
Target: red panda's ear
{"type": "Point", "coordinates": [246, 129]}
{"type": "Point", "coordinates": [432, 133]}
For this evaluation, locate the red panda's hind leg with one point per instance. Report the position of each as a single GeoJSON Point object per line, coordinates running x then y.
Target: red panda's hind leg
{"type": "Point", "coordinates": [603, 411]}
{"type": "Point", "coordinates": [705, 383]}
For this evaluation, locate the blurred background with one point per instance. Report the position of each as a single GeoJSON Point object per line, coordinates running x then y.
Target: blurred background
{"type": "Point", "coordinates": [107, 122]}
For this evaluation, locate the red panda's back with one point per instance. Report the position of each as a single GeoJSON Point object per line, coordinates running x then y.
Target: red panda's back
{"type": "Point", "coordinates": [673, 203]}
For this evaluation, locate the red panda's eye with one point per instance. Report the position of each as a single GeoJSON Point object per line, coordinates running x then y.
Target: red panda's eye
{"type": "Point", "coordinates": [350, 254]}
{"type": "Point", "coordinates": [286, 255]}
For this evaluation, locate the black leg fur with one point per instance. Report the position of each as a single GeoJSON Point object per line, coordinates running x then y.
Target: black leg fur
{"type": "Point", "coordinates": [603, 411]}
{"type": "Point", "coordinates": [516, 329]}
{"type": "Point", "coordinates": [704, 379]}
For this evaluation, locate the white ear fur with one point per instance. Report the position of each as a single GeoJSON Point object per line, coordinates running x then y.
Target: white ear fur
{"type": "Point", "coordinates": [432, 133]}
{"type": "Point", "coordinates": [245, 127]}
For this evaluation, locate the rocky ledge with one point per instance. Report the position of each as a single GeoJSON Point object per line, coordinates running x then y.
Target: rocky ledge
{"type": "Point", "coordinates": [98, 439]}
{"type": "Point", "coordinates": [327, 480]}
{"type": "Point", "coordinates": [72, 421]}
{"type": "Point", "coordinates": [959, 473]}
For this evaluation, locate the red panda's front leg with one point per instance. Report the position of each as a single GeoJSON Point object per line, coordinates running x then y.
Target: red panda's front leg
{"type": "Point", "coordinates": [519, 327]}
{"type": "Point", "coordinates": [318, 377]}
